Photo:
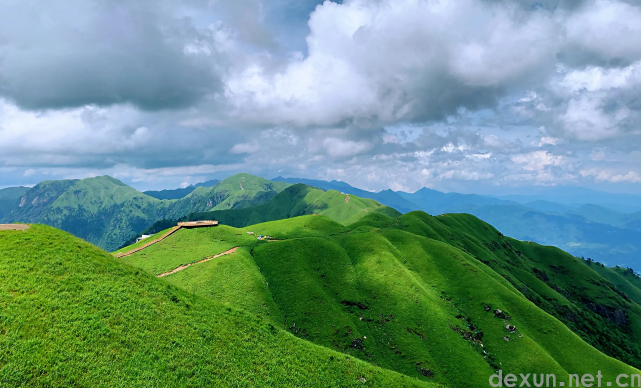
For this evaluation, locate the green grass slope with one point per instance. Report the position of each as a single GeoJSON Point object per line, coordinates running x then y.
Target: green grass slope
{"type": "Point", "coordinates": [624, 280]}
{"type": "Point", "coordinates": [403, 293]}
{"type": "Point", "coordinates": [72, 315]}
{"type": "Point", "coordinates": [557, 282]}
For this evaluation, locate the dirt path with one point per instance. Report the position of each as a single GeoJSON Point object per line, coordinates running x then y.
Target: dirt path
{"type": "Point", "coordinates": [131, 252]}
{"type": "Point", "coordinates": [199, 262]}
{"type": "Point", "coordinates": [14, 227]}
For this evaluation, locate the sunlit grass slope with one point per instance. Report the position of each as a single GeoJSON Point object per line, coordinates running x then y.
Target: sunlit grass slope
{"type": "Point", "coordinates": [411, 294]}
{"type": "Point", "coordinates": [557, 282]}
{"type": "Point", "coordinates": [186, 244]}
{"type": "Point", "coordinates": [72, 315]}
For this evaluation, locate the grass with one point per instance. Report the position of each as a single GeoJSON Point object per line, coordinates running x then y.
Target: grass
{"type": "Point", "coordinates": [623, 280]}
{"type": "Point", "coordinates": [232, 280]}
{"type": "Point", "coordinates": [143, 242]}
{"type": "Point", "coordinates": [72, 315]}
{"type": "Point", "coordinates": [409, 294]}
{"type": "Point", "coordinates": [187, 246]}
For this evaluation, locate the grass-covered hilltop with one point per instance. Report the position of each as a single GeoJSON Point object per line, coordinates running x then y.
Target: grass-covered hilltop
{"type": "Point", "coordinates": [297, 286]}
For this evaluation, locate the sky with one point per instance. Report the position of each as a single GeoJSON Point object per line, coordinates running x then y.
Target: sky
{"type": "Point", "coordinates": [486, 96]}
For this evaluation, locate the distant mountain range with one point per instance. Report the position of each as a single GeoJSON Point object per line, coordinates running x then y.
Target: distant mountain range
{"type": "Point", "coordinates": [108, 213]}
{"type": "Point", "coordinates": [605, 234]}
{"type": "Point", "coordinates": [179, 193]}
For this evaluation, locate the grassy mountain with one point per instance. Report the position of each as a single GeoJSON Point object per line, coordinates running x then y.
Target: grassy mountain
{"type": "Point", "coordinates": [236, 192]}
{"type": "Point", "coordinates": [74, 316]}
{"type": "Point", "coordinates": [623, 279]}
{"type": "Point", "coordinates": [106, 212]}
{"type": "Point", "coordinates": [101, 210]}
{"type": "Point", "coordinates": [9, 198]}
{"type": "Point", "coordinates": [294, 201]}
{"type": "Point", "coordinates": [443, 299]}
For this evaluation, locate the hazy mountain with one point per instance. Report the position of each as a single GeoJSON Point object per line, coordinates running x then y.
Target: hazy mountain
{"type": "Point", "coordinates": [179, 193]}
{"type": "Point", "coordinates": [170, 193]}
{"type": "Point", "coordinates": [576, 196]}
{"type": "Point", "coordinates": [210, 183]}
{"type": "Point", "coordinates": [386, 197]}
{"type": "Point", "coordinates": [436, 202]}
{"type": "Point", "coordinates": [9, 197]}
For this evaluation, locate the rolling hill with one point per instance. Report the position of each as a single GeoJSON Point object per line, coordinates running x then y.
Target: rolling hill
{"type": "Point", "coordinates": [106, 212]}
{"type": "Point", "coordinates": [444, 299]}
{"type": "Point", "coordinates": [74, 316]}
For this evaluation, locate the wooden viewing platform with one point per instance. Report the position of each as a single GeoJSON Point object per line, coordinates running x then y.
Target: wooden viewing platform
{"type": "Point", "coordinates": [197, 224]}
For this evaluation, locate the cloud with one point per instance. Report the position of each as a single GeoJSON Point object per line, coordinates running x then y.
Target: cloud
{"type": "Point", "coordinates": [61, 54]}
{"type": "Point", "coordinates": [607, 30]}
{"type": "Point", "coordinates": [342, 148]}
{"type": "Point", "coordinates": [455, 95]}
{"type": "Point", "coordinates": [399, 60]}
{"type": "Point", "coordinates": [245, 148]}
{"type": "Point", "coordinates": [612, 176]}
{"type": "Point", "coordinates": [538, 160]}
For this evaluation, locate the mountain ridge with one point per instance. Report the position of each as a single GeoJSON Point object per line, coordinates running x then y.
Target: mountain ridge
{"type": "Point", "coordinates": [105, 211]}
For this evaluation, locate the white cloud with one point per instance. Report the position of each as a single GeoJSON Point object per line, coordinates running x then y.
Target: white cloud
{"type": "Point", "coordinates": [342, 148]}
{"type": "Point", "coordinates": [597, 155]}
{"type": "Point", "coordinates": [394, 60]}
{"type": "Point", "coordinates": [245, 148]}
{"type": "Point", "coordinates": [611, 176]}
{"type": "Point", "coordinates": [538, 160]}
{"type": "Point", "coordinates": [608, 28]}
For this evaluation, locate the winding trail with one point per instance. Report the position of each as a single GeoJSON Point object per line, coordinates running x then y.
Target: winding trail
{"type": "Point", "coordinates": [14, 227]}
{"type": "Point", "coordinates": [131, 252]}
{"type": "Point", "coordinates": [198, 262]}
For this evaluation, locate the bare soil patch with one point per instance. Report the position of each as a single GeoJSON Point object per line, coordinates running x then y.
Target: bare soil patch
{"type": "Point", "coordinates": [14, 227]}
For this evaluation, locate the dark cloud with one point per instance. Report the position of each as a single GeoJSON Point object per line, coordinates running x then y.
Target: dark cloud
{"type": "Point", "coordinates": [61, 54]}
